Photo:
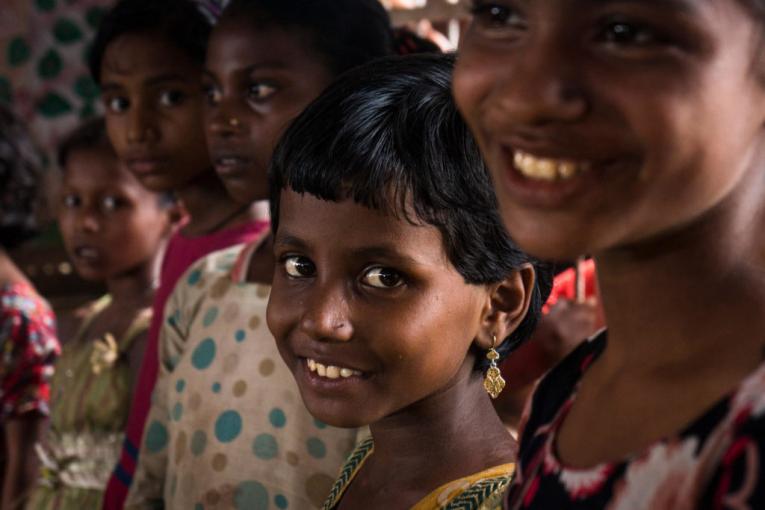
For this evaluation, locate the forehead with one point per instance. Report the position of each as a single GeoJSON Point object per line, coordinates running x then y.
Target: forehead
{"type": "Point", "coordinates": [146, 56]}
{"type": "Point", "coordinates": [345, 226]}
{"type": "Point", "coordinates": [91, 168]}
{"type": "Point", "coordinates": [239, 42]}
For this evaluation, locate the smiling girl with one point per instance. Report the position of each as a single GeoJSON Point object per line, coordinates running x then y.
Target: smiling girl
{"type": "Point", "coordinates": [395, 283]}
{"type": "Point", "coordinates": [634, 131]}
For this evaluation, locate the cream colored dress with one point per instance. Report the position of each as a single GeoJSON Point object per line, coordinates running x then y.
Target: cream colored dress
{"type": "Point", "coordinates": [227, 427]}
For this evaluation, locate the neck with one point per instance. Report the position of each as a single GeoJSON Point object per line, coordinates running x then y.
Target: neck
{"type": "Point", "coordinates": [132, 289]}
{"type": "Point", "coordinates": [446, 436]}
{"type": "Point", "coordinates": [675, 304]}
{"type": "Point", "coordinates": [210, 207]}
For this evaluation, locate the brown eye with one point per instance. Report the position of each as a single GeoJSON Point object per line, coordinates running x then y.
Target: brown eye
{"type": "Point", "coordinates": [260, 91]}
{"type": "Point", "coordinates": [630, 34]}
{"type": "Point", "coordinates": [495, 18]}
{"type": "Point", "coordinates": [299, 267]}
{"type": "Point", "coordinates": [170, 98]}
{"type": "Point", "coordinates": [383, 278]}
{"type": "Point", "coordinates": [117, 104]}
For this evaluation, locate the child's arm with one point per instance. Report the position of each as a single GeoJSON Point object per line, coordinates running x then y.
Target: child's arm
{"type": "Point", "coordinates": [147, 489]}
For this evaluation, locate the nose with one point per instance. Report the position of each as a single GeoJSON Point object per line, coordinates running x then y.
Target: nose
{"type": "Point", "coordinates": [326, 314]}
{"type": "Point", "coordinates": [88, 221]}
{"type": "Point", "coordinates": [140, 127]}
{"type": "Point", "coordinates": [543, 87]}
{"type": "Point", "coordinates": [224, 122]}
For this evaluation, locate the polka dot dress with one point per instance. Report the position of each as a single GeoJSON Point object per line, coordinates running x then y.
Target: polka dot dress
{"type": "Point", "coordinates": [227, 428]}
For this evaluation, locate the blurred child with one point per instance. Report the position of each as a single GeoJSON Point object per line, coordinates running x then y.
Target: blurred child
{"type": "Point", "coordinates": [113, 229]}
{"type": "Point", "coordinates": [635, 131]}
{"type": "Point", "coordinates": [397, 289]}
{"type": "Point", "coordinates": [148, 58]}
{"type": "Point", "coordinates": [28, 339]}
{"type": "Point", "coordinates": [226, 421]}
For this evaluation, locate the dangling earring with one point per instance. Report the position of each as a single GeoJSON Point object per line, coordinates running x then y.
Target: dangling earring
{"type": "Point", "coordinates": [493, 382]}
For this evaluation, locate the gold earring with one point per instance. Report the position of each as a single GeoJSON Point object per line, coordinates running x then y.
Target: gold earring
{"type": "Point", "coordinates": [493, 382]}
{"type": "Point", "coordinates": [233, 122]}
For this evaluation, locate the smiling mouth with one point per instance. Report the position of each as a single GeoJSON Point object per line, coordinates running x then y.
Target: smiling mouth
{"type": "Point", "coordinates": [548, 169]}
{"type": "Point", "coordinates": [331, 371]}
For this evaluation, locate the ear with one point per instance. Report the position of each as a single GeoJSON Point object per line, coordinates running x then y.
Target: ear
{"type": "Point", "coordinates": [506, 306]}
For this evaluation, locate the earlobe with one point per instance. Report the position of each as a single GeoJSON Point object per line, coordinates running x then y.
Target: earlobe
{"type": "Point", "coordinates": [507, 306]}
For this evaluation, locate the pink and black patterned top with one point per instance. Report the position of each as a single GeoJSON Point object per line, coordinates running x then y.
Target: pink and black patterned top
{"type": "Point", "coordinates": [716, 462]}
{"type": "Point", "coordinates": [28, 348]}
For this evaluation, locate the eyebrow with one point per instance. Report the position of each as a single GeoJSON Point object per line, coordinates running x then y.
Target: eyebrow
{"type": "Point", "coordinates": [682, 5]}
{"type": "Point", "coordinates": [369, 252]}
{"type": "Point", "coordinates": [153, 81]}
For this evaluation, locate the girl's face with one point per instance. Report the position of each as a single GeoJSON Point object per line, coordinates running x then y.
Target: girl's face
{"type": "Point", "coordinates": [367, 310]}
{"type": "Point", "coordinates": [110, 223]}
{"type": "Point", "coordinates": [256, 82]}
{"type": "Point", "coordinates": [606, 123]}
{"type": "Point", "coordinates": [151, 93]}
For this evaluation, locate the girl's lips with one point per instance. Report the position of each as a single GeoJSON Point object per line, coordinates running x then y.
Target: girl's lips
{"type": "Point", "coordinates": [316, 375]}
{"type": "Point", "coordinates": [87, 253]}
{"type": "Point", "coordinates": [232, 165]}
{"type": "Point", "coordinates": [145, 166]}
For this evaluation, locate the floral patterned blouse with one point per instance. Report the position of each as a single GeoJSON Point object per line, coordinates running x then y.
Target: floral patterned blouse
{"type": "Point", "coordinates": [716, 462]}
{"type": "Point", "coordinates": [28, 348]}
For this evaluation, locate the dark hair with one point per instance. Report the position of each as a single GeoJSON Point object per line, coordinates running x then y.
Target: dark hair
{"type": "Point", "coordinates": [89, 135]}
{"type": "Point", "coordinates": [21, 167]}
{"type": "Point", "coordinates": [180, 21]}
{"type": "Point", "coordinates": [347, 33]}
{"type": "Point", "coordinates": [388, 136]}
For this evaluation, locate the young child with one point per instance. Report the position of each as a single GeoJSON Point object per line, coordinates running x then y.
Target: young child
{"type": "Point", "coordinates": [28, 341]}
{"type": "Point", "coordinates": [396, 287]}
{"type": "Point", "coordinates": [148, 57]}
{"type": "Point", "coordinates": [113, 229]}
{"type": "Point", "coordinates": [634, 131]}
{"type": "Point", "coordinates": [226, 422]}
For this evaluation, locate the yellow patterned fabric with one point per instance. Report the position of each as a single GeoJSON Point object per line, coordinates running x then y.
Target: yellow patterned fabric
{"type": "Point", "coordinates": [479, 491]}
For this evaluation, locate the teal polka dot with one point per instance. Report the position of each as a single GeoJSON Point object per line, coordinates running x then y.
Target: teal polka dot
{"type": "Point", "coordinates": [198, 442]}
{"type": "Point", "coordinates": [180, 385]}
{"type": "Point", "coordinates": [156, 437]}
{"type": "Point", "coordinates": [319, 424]}
{"type": "Point", "coordinates": [251, 495]}
{"type": "Point", "coordinates": [194, 277]}
{"type": "Point", "coordinates": [18, 52]}
{"type": "Point", "coordinates": [210, 315]}
{"type": "Point", "coordinates": [46, 5]}
{"type": "Point", "coordinates": [228, 426]}
{"type": "Point", "coordinates": [216, 387]}
{"type": "Point", "coordinates": [199, 506]}
{"type": "Point", "coordinates": [204, 354]}
{"type": "Point", "coordinates": [177, 411]}
{"type": "Point", "coordinates": [316, 448]}
{"type": "Point", "coordinates": [281, 502]}
{"type": "Point", "coordinates": [277, 418]}
{"type": "Point", "coordinates": [240, 335]}
{"type": "Point", "coordinates": [265, 447]}
{"type": "Point", "coordinates": [66, 31]}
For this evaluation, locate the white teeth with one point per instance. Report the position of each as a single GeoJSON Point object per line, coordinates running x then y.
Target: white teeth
{"type": "Point", "coordinates": [545, 169]}
{"type": "Point", "coordinates": [330, 371]}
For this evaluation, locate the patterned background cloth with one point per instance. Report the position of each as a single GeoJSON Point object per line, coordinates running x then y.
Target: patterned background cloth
{"type": "Point", "coordinates": [43, 55]}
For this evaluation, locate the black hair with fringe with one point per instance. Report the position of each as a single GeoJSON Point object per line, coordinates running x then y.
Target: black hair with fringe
{"type": "Point", "coordinates": [388, 136]}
